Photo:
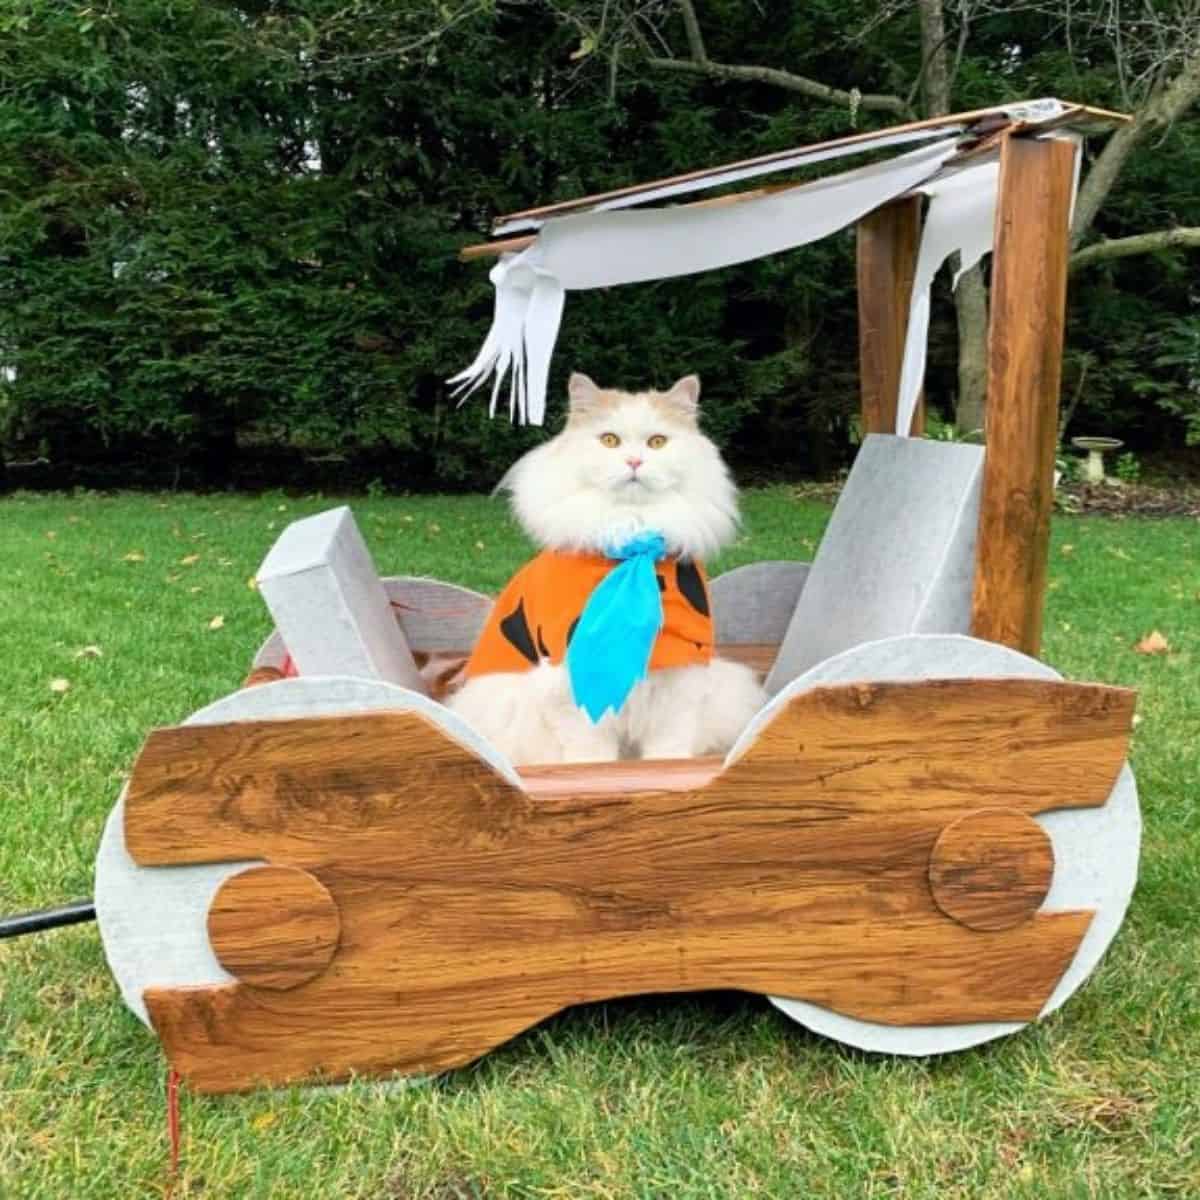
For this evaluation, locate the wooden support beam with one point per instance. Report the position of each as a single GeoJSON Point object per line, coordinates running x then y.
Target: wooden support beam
{"type": "Point", "coordinates": [887, 259]}
{"type": "Point", "coordinates": [512, 245]}
{"type": "Point", "coordinates": [1029, 287]}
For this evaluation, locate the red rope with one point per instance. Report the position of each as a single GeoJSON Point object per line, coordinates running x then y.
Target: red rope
{"type": "Point", "coordinates": [173, 1120]}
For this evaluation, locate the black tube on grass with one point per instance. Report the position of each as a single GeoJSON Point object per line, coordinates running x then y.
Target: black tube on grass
{"type": "Point", "coordinates": [47, 918]}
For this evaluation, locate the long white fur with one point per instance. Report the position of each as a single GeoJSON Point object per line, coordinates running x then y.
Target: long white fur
{"type": "Point", "coordinates": [575, 493]}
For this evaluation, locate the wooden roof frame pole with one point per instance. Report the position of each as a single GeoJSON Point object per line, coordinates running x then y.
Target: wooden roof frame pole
{"type": "Point", "coordinates": [887, 244]}
{"type": "Point", "coordinates": [1025, 345]}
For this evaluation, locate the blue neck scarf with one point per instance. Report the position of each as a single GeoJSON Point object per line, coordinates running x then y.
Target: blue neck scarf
{"type": "Point", "coordinates": [610, 649]}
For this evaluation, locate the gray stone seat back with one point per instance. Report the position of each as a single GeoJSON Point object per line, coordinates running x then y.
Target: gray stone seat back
{"type": "Point", "coordinates": [898, 555]}
{"type": "Point", "coordinates": [753, 604]}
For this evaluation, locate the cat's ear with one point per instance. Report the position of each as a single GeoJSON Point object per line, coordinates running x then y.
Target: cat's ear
{"type": "Point", "coordinates": [684, 395]}
{"type": "Point", "coordinates": [582, 392]}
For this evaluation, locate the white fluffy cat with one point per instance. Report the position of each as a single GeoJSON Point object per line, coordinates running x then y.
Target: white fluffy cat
{"type": "Point", "coordinates": [623, 464]}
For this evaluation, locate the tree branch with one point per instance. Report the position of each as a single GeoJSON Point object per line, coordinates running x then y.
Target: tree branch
{"type": "Point", "coordinates": [1140, 243]}
{"type": "Point", "coordinates": [786, 80]}
{"type": "Point", "coordinates": [694, 36]}
{"type": "Point", "coordinates": [1157, 114]}
{"type": "Point", "coordinates": [934, 68]}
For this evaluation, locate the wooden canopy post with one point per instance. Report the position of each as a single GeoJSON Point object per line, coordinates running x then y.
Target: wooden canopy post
{"type": "Point", "coordinates": [1029, 287]}
{"type": "Point", "coordinates": [887, 260]}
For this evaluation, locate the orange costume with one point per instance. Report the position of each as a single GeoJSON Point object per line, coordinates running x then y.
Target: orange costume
{"type": "Point", "coordinates": [535, 615]}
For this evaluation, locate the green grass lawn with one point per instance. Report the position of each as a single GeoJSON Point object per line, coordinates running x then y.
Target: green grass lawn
{"type": "Point", "coordinates": [716, 1095]}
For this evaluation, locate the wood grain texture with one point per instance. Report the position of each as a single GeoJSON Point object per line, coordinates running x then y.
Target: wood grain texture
{"type": "Point", "coordinates": [273, 927]}
{"type": "Point", "coordinates": [1029, 287]}
{"type": "Point", "coordinates": [262, 675]}
{"type": "Point", "coordinates": [888, 239]}
{"type": "Point", "coordinates": [471, 910]}
{"type": "Point", "coordinates": [618, 778]}
{"type": "Point", "coordinates": [991, 869]}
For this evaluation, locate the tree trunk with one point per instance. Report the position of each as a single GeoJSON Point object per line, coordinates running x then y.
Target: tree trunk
{"type": "Point", "coordinates": [216, 448]}
{"type": "Point", "coordinates": [970, 302]}
{"type": "Point", "coordinates": [1165, 105]}
{"type": "Point", "coordinates": [934, 64]}
{"type": "Point", "coordinates": [970, 297]}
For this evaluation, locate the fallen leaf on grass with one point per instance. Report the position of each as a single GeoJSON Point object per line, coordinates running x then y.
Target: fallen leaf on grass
{"type": "Point", "coordinates": [89, 652]}
{"type": "Point", "coordinates": [217, 623]}
{"type": "Point", "coordinates": [1067, 549]}
{"type": "Point", "coordinates": [188, 559]}
{"type": "Point", "coordinates": [1153, 643]}
{"type": "Point", "coordinates": [264, 1121]}
{"type": "Point", "coordinates": [58, 686]}
{"type": "Point", "coordinates": [133, 556]}
{"type": "Point", "coordinates": [51, 534]}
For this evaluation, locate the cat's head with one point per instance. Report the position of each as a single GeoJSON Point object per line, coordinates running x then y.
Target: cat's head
{"type": "Point", "coordinates": [626, 462]}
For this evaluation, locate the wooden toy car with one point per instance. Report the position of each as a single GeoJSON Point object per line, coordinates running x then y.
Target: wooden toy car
{"type": "Point", "coordinates": [925, 840]}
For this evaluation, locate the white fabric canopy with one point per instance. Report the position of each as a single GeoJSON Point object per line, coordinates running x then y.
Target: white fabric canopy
{"type": "Point", "coordinates": [961, 217]}
{"type": "Point", "coordinates": [739, 172]}
{"type": "Point", "coordinates": [606, 248]}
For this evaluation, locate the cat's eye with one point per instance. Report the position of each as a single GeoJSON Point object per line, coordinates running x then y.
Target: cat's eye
{"type": "Point", "coordinates": [610, 440]}
{"type": "Point", "coordinates": [657, 441]}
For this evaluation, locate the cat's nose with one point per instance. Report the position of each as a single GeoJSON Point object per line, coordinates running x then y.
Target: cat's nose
{"type": "Point", "coordinates": [633, 463]}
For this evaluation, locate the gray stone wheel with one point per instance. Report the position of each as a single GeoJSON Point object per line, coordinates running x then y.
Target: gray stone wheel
{"type": "Point", "coordinates": [1095, 850]}
{"type": "Point", "coordinates": [153, 919]}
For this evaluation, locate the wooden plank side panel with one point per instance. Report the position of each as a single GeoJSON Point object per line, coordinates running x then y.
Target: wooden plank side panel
{"type": "Point", "coordinates": [470, 909]}
{"type": "Point", "coordinates": [888, 240]}
{"type": "Point", "coordinates": [296, 791]}
{"type": "Point", "coordinates": [941, 745]}
{"type": "Point", "coordinates": [1029, 281]}
{"type": "Point", "coordinates": [415, 1019]}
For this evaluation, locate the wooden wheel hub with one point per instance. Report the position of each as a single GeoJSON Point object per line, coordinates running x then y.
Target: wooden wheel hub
{"type": "Point", "coordinates": [991, 869]}
{"type": "Point", "coordinates": [274, 927]}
